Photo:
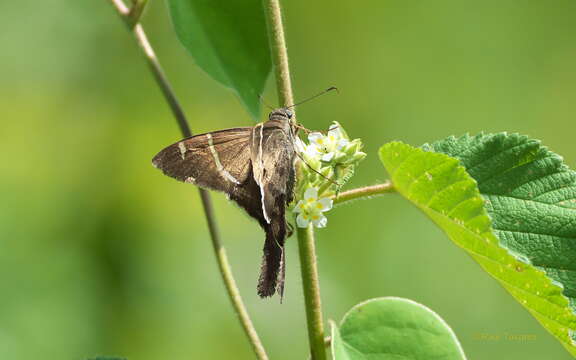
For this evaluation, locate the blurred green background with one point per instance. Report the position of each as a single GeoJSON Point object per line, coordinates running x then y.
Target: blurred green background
{"type": "Point", "coordinates": [101, 254]}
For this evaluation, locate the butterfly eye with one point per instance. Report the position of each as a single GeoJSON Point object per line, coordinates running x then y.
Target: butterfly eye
{"type": "Point", "coordinates": [289, 114]}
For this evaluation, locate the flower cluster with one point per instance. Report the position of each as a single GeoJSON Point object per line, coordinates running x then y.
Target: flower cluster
{"type": "Point", "coordinates": [328, 161]}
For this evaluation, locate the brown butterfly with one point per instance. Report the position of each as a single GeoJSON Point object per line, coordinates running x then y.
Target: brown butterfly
{"type": "Point", "coordinates": [254, 166]}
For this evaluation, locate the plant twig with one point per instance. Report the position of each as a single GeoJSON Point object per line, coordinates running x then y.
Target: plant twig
{"type": "Point", "coordinates": [363, 192]}
{"type": "Point", "coordinates": [128, 16]}
{"type": "Point", "coordinates": [311, 287]}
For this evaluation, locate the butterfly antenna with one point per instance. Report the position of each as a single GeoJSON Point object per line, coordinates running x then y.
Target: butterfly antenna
{"type": "Point", "coordinates": [316, 171]}
{"type": "Point", "coordinates": [264, 102]}
{"type": "Point", "coordinates": [315, 96]}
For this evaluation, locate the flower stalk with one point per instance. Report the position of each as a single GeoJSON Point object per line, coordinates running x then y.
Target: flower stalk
{"type": "Point", "coordinates": [363, 192]}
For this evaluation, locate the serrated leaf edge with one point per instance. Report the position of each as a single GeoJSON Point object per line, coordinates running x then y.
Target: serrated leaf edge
{"type": "Point", "coordinates": [565, 329]}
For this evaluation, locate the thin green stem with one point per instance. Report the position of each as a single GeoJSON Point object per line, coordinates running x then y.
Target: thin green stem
{"type": "Point", "coordinates": [220, 252]}
{"type": "Point", "coordinates": [305, 237]}
{"type": "Point", "coordinates": [363, 192]}
{"type": "Point", "coordinates": [279, 53]}
{"type": "Point", "coordinates": [311, 285]}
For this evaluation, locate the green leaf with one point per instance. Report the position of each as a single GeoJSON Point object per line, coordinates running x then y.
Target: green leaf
{"type": "Point", "coordinates": [393, 328]}
{"type": "Point", "coordinates": [228, 40]}
{"type": "Point", "coordinates": [513, 211]}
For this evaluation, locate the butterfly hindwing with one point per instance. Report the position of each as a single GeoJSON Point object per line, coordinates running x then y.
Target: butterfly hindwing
{"type": "Point", "coordinates": [273, 167]}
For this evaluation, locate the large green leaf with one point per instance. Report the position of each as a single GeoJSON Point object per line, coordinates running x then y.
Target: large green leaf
{"type": "Point", "coordinates": [228, 40]}
{"type": "Point", "coordinates": [520, 226]}
{"type": "Point", "coordinates": [393, 328]}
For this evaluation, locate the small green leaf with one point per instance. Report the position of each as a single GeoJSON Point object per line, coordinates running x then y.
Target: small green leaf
{"type": "Point", "coordinates": [228, 40]}
{"type": "Point", "coordinates": [526, 238]}
{"type": "Point", "coordinates": [393, 328]}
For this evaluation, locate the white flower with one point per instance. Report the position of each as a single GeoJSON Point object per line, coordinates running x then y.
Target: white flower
{"type": "Point", "coordinates": [327, 146]}
{"type": "Point", "coordinates": [311, 208]}
{"type": "Point", "coordinates": [311, 151]}
{"type": "Point", "coordinates": [299, 145]}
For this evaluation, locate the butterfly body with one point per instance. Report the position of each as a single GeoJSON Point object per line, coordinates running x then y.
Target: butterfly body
{"type": "Point", "coordinates": [254, 166]}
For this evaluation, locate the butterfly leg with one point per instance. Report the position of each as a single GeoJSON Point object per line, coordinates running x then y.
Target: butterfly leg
{"type": "Point", "coordinates": [289, 230]}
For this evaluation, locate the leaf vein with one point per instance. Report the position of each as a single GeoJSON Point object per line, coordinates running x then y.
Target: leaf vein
{"type": "Point", "coordinates": [545, 299]}
{"type": "Point", "coordinates": [504, 150]}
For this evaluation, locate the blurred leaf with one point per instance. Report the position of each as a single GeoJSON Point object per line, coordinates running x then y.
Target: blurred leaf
{"type": "Point", "coordinates": [393, 328]}
{"type": "Point", "coordinates": [227, 40]}
{"type": "Point", "coordinates": [522, 184]}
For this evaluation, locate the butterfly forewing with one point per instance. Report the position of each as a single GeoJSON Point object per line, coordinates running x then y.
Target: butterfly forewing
{"type": "Point", "coordinates": [219, 160]}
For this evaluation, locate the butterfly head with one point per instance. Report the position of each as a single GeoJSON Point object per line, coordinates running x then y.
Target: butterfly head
{"type": "Point", "coordinates": [281, 114]}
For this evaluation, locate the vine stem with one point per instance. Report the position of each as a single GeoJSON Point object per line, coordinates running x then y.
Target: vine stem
{"type": "Point", "coordinates": [131, 17]}
{"type": "Point", "coordinates": [306, 244]}
{"type": "Point", "coordinates": [363, 192]}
